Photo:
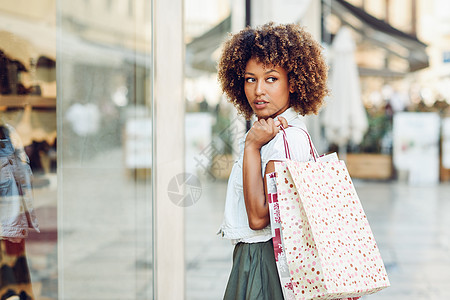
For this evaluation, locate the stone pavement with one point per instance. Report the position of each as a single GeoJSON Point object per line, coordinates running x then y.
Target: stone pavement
{"type": "Point", "coordinates": [411, 225]}
{"type": "Point", "coordinates": [208, 256]}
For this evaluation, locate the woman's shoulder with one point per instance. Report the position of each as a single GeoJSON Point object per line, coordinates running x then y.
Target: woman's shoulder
{"type": "Point", "coordinates": [297, 128]}
{"type": "Point", "coordinates": [297, 138]}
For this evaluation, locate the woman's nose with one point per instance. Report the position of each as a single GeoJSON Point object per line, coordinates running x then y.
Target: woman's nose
{"type": "Point", "coordinates": [259, 88]}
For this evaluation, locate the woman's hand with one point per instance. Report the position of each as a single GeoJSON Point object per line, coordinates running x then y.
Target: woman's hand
{"type": "Point", "coordinates": [263, 131]}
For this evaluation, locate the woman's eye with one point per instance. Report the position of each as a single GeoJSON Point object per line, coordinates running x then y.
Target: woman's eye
{"type": "Point", "coordinates": [271, 79]}
{"type": "Point", "coordinates": [249, 79]}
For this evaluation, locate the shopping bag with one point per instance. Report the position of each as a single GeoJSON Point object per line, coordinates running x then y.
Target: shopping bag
{"type": "Point", "coordinates": [277, 238]}
{"type": "Point", "coordinates": [326, 240]}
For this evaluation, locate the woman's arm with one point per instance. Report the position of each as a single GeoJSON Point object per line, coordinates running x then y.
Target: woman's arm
{"type": "Point", "coordinates": [255, 199]}
{"type": "Point", "coordinates": [254, 186]}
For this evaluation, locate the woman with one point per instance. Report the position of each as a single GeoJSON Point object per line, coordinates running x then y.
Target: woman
{"type": "Point", "coordinates": [277, 73]}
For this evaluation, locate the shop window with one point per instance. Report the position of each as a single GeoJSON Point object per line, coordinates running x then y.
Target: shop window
{"type": "Point", "coordinates": [75, 111]}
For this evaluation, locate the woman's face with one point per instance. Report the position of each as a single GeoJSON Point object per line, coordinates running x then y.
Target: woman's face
{"type": "Point", "coordinates": [266, 89]}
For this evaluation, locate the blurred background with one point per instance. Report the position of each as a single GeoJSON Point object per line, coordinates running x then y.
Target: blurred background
{"type": "Point", "coordinates": [118, 107]}
{"type": "Point", "coordinates": [387, 117]}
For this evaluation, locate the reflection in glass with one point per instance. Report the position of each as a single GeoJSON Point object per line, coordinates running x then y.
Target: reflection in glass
{"type": "Point", "coordinates": [91, 157]}
{"type": "Point", "coordinates": [17, 215]}
{"type": "Point", "coordinates": [28, 112]}
{"type": "Point", "coordinates": [104, 98]}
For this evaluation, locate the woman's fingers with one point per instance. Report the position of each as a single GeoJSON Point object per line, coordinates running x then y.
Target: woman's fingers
{"type": "Point", "coordinates": [261, 132]}
{"type": "Point", "coordinates": [283, 122]}
{"type": "Point", "coordinates": [264, 130]}
{"type": "Point", "coordinates": [273, 126]}
{"type": "Point", "coordinates": [269, 126]}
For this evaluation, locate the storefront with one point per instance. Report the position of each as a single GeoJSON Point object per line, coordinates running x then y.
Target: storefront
{"type": "Point", "coordinates": [85, 86]}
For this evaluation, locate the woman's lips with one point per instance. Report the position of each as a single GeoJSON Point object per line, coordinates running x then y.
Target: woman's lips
{"type": "Point", "coordinates": [260, 104]}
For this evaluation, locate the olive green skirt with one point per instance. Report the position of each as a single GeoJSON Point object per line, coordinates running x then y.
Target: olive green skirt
{"type": "Point", "coordinates": [254, 275]}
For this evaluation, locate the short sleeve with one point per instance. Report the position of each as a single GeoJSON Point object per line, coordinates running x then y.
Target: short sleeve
{"type": "Point", "coordinates": [297, 141]}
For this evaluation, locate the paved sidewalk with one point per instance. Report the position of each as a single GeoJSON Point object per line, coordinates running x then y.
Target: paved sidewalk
{"type": "Point", "coordinates": [208, 256]}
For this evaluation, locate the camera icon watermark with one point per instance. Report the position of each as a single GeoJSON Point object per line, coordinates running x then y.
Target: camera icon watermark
{"type": "Point", "coordinates": [184, 189]}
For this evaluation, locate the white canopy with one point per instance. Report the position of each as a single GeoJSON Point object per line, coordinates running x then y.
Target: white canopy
{"type": "Point", "coordinates": [345, 117]}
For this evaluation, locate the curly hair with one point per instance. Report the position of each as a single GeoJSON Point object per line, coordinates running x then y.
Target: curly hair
{"type": "Point", "coordinates": [288, 46]}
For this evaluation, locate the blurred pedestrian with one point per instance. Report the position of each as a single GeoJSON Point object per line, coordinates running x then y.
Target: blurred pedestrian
{"type": "Point", "coordinates": [278, 74]}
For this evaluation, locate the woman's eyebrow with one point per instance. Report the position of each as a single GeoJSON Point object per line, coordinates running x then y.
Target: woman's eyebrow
{"type": "Point", "coordinates": [269, 71]}
{"type": "Point", "coordinates": [272, 70]}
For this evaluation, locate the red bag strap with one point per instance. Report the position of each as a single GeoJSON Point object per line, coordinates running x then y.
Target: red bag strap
{"type": "Point", "coordinates": [286, 145]}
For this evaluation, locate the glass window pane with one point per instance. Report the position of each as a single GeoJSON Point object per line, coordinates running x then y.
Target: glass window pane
{"type": "Point", "coordinates": [104, 93]}
{"type": "Point", "coordinates": [75, 110]}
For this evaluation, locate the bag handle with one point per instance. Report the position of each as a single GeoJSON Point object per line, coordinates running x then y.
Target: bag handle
{"type": "Point", "coordinates": [313, 150]}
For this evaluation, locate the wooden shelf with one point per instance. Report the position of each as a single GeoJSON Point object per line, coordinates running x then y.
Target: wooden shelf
{"type": "Point", "coordinates": [22, 100]}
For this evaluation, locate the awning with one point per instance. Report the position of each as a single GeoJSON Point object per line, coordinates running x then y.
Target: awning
{"type": "Point", "coordinates": [199, 52]}
{"type": "Point", "coordinates": [23, 39]}
{"type": "Point", "coordinates": [380, 33]}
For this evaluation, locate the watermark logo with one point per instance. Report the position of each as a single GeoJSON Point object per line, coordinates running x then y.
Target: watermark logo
{"type": "Point", "coordinates": [184, 189]}
{"type": "Point", "coordinates": [212, 159]}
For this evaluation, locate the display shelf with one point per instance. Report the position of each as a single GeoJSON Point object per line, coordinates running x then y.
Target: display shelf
{"type": "Point", "coordinates": [23, 100]}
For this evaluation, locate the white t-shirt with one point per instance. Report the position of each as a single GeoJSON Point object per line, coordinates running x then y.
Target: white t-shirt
{"type": "Point", "coordinates": [235, 224]}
